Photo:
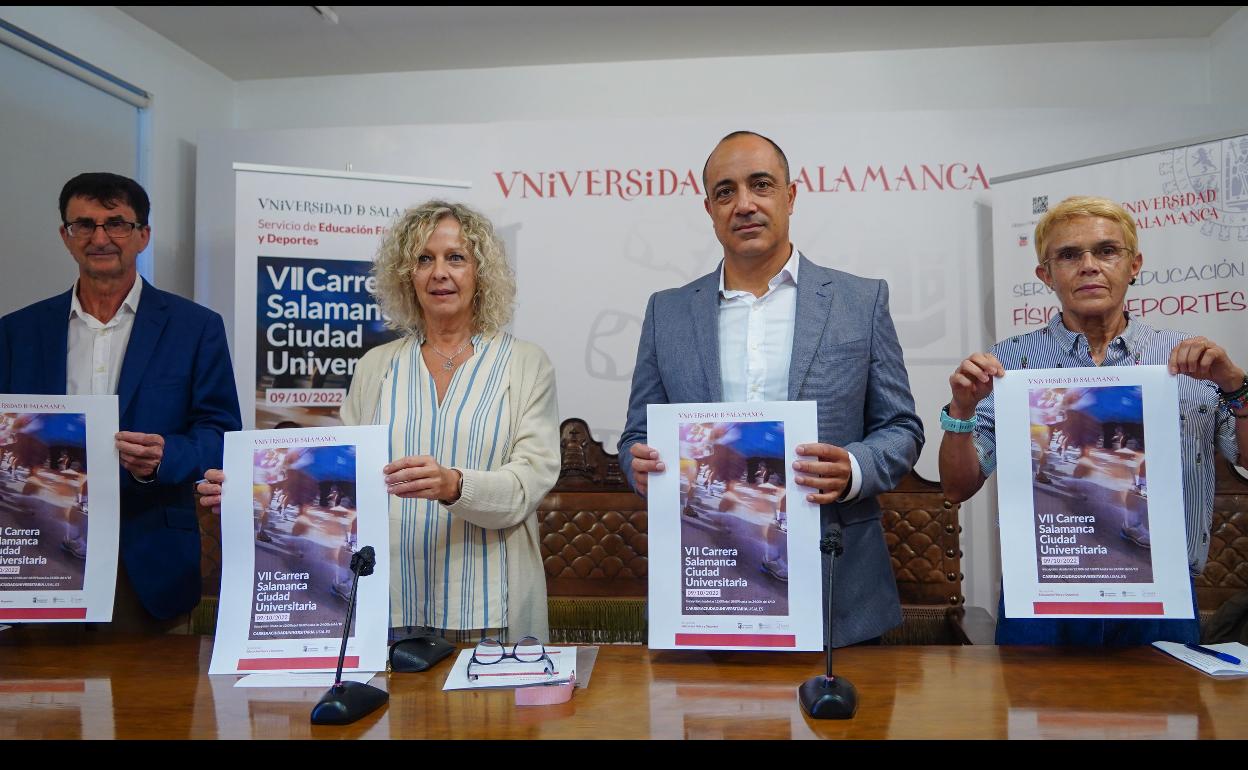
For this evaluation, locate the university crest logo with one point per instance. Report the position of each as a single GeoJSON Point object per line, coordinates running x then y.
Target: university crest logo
{"type": "Point", "coordinates": [1219, 167]}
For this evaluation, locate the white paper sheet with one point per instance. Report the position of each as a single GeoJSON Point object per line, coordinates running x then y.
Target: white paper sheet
{"type": "Point", "coordinates": [1088, 458]}
{"type": "Point", "coordinates": [508, 673]}
{"type": "Point", "coordinates": [296, 504]}
{"type": "Point", "coordinates": [730, 531]}
{"type": "Point", "coordinates": [1207, 663]}
{"type": "Point", "coordinates": [58, 470]}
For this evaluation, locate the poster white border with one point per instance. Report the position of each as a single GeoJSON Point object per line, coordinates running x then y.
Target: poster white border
{"type": "Point", "coordinates": [372, 612]}
{"type": "Point", "coordinates": [804, 621]}
{"type": "Point", "coordinates": [104, 506]}
{"type": "Point", "coordinates": [1170, 584]}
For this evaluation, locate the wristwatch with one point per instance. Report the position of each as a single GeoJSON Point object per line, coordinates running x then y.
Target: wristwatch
{"type": "Point", "coordinates": [459, 489]}
{"type": "Point", "coordinates": [953, 424]}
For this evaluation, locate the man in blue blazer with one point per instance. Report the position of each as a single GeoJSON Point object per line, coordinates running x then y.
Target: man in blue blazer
{"type": "Point", "coordinates": [770, 325]}
{"type": "Point", "coordinates": [166, 360]}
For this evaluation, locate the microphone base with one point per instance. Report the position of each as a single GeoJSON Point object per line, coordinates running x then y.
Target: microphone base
{"type": "Point", "coordinates": [828, 697]}
{"type": "Point", "coordinates": [347, 702]}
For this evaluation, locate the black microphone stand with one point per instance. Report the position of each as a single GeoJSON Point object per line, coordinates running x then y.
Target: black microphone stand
{"type": "Point", "coordinates": [827, 696]}
{"type": "Point", "coordinates": [346, 702]}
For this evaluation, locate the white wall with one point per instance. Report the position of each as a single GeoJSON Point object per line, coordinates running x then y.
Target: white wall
{"type": "Point", "coordinates": [990, 77]}
{"type": "Point", "coordinates": [45, 142]}
{"type": "Point", "coordinates": [1228, 68]}
{"type": "Point", "coordinates": [188, 97]}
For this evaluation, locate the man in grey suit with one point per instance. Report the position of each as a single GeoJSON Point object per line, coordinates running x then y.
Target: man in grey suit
{"type": "Point", "coordinates": [772, 326]}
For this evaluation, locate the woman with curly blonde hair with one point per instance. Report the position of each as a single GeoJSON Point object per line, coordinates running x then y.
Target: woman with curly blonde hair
{"type": "Point", "coordinates": [474, 428]}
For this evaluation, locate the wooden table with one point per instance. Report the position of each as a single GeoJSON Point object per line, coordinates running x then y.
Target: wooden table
{"type": "Point", "coordinates": [108, 687]}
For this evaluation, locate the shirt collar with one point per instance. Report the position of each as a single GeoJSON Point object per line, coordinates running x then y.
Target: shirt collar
{"type": "Point", "coordinates": [787, 274]}
{"type": "Point", "coordinates": [131, 300]}
{"type": "Point", "coordinates": [1132, 338]}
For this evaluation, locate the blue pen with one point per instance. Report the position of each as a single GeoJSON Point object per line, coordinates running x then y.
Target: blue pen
{"type": "Point", "coordinates": [1222, 656]}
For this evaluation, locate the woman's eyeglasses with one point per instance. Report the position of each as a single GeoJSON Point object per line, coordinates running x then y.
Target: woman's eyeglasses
{"type": "Point", "coordinates": [491, 651]}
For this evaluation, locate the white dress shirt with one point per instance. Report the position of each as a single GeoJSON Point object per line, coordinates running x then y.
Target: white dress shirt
{"type": "Point", "coordinates": [96, 349]}
{"type": "Point", "coordinates": [762, 329]}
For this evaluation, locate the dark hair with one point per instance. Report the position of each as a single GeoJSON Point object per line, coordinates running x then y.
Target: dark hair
{"type": "Point", "coordinates": [108, 190]}
{"type": "Point", "coordinates": [784, 159]}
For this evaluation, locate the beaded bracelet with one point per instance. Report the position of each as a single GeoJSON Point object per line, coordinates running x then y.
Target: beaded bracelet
{"type": "Point", "coordinates": [1236, 399]}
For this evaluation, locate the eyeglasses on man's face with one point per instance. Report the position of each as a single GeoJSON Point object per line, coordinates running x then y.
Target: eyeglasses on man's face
{"type": "Point", "coordinates": [84, 229]}
{"type": "Point", "coordinates": [1106, 254]}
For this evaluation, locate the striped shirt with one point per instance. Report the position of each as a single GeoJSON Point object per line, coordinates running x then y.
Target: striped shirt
{"type": "Point", "coordinates": [1204, 427]}
{"type": "Point", "coordinates": [446, 572]}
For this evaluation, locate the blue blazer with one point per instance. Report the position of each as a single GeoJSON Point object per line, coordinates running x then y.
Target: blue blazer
{"type": "Point", "coordinates": [847, 359]}
{"type": "Point", "coordinates": [176, 380]}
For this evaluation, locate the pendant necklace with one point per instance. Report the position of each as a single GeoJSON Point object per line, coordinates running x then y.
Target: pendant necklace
{"type": "Point", "coordinates": [449, 364]}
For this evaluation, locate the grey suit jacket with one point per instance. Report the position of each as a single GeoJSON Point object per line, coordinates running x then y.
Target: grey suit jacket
{"type": "Point", "coordinates": [847, 359]}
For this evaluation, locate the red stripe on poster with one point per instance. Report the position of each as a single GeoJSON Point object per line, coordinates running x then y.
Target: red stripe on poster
{"type": "Point", "coordinates": [39, 613]}
{"type": "Point", "coordinates": [1098, 608]}
{"type": "Point", "coordinates": [284, 664]}
{"type": "Point", "coordinates": [736, 640]}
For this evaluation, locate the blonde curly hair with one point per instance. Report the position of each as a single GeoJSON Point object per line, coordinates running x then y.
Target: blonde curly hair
{"type": "Point", "coordinates": [495, 297]}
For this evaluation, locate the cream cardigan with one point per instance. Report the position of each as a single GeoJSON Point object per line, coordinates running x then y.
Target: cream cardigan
{"type": "Point", "coordinates": [505, 498]}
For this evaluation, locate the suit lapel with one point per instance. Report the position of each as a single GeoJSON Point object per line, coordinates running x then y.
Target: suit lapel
{"type": "Point", "coordinates": [149, 322]}
{"type": "Point", "coordinates": [704, 310]}
{"type": "Point", "coordinates": [814, 303]}
{"type": "Point", "coordinates": [54, 331]}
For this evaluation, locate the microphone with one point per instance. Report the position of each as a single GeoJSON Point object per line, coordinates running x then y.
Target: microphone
{"type": "Point", "coordinates": [363, 562]}
{"type": "Point", "coordinates": [828, 696]}
{"type": "Point", "coordinates": [347, 702]}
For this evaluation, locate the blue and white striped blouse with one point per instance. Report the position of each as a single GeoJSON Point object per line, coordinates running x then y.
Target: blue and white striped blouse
{"type": "Point", "coordinates": [447, 572]}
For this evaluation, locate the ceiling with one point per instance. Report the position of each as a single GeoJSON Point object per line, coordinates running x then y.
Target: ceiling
{"type": "Point", "coordinates": [256, 42]}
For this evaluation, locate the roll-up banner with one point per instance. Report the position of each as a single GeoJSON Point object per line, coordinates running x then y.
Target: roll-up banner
{"type": "Point", "coordinates": [305, 240]}
{"type": "Point", "coordinates": [1190, 206]}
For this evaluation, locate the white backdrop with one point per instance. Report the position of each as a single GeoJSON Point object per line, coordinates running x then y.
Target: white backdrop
{"type": "Point", "coordinates": [587, 262]}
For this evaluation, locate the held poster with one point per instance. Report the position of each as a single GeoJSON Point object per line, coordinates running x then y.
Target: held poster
{"type": "Point", "coordinates": [58, 471]}
{"type": "Point", "coordinates": [305, 241]}
{"type": "Point", "coordinates": [1090, 491]}
{"type": "Point", "coordinates": [731, 534]}
{"type": "Point", "coordinates": [296, 505]}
